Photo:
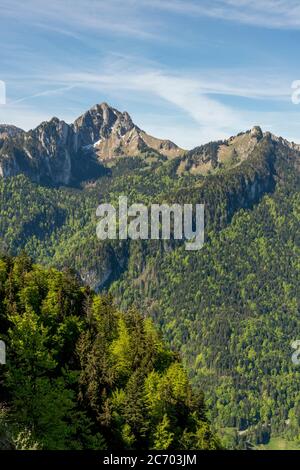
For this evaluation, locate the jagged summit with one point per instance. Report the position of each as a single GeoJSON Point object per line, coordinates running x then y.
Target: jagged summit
{"type": "Point", "coordinates": [256, 132]}
{"type": "Point", "coordinates": [61, 153]}
{"type": "Point", "coordinates": [112, 134]}
{"type": "Point", "coordinates": [98, 123]}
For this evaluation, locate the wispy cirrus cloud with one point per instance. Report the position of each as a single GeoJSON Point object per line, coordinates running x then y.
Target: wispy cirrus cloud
{"type": "Point", "coordinates": [55, 91]}
{"type": "Point", "coordinates": [134, 16]}
{"type": "Point", "coordinates": [263, 13]}
{"type": "Point", "coordinates": [78, 17]}
{"type": "Point", "coordinates": [198, 95]}
{"type": "Point", "coordinates": [204, 80]}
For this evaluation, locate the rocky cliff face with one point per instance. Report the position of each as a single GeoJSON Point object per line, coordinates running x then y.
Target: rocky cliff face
{"type": "Point", "coordinates": [60, 153]}
{"type": "Point", "coordinates": [7, 131]}
{"type": "Point", "coordinates": [46, 154]}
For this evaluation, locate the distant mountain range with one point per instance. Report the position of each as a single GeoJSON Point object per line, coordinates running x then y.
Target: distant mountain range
{"type": "Point", "coordinates": [60, 153]}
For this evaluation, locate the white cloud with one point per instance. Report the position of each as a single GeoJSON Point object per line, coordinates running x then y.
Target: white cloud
{"type": "Point", "coordinates": [131, 17]}
{"type": "Point", "coordinates": [264, 13]}
{"type": "Point", "coordinates": [71, 17]}
{"type": "Point", "coordinates": [197, 94]}
{"type": "Point", "coordinates": [196, 97]}
{"type": "Point", "coordinates": [56, 91]}
{"type": "Point", "coordinates": [207, 101]}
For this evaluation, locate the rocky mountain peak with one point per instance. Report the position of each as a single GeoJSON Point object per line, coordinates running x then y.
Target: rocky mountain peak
{"type": "Point", "coordinates": [95, 124]}
{"type": "Point", "coordinates": [112, 133]}
{"type": "Point", "coordinates": [256, 133]}
{"type": "Point", "coordinates": [60, 153]}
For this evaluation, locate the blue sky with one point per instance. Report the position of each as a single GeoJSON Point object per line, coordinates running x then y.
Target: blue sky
{"type": "Point", "coordinates": [192, 71]}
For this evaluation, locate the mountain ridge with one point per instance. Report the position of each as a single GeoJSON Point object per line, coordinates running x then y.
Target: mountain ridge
{"type": "Point", "coordinates": [58, 153]}
{"type": "Point", "coordinates": [61, 153]}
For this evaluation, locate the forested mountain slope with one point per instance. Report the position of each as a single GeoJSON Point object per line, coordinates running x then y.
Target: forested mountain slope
{"type": "Point", "coordinates": [81, 375]}
{"type": "Point", "coordinates": [232, 309]}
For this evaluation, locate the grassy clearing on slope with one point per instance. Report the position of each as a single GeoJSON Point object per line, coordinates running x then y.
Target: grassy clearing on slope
{"type": "Point", "coordinates": [279, 443]}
